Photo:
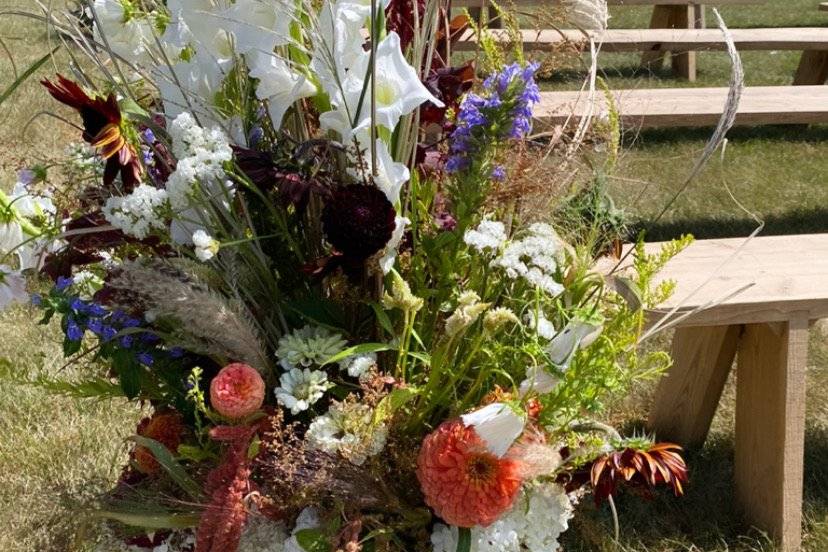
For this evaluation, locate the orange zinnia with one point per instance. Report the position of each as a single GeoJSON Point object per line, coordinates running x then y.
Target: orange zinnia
{"type": "Point", "coordinates": [463, 482]}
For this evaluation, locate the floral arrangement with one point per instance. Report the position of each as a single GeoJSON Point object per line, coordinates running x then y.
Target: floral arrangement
{"type": "Point", "coordinates": [304, 240]}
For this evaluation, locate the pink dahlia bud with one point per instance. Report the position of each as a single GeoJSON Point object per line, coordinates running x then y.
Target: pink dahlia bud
{"type": "Point", "coordinates": [237, 391]}
{"type": "Point", "coordinates": [466, 479]}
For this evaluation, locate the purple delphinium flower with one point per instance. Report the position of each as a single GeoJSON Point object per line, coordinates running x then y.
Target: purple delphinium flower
{"type": "Point", "coordinates": [73, 331]}
{"type": "Point", "coordinates": [26, 176]}
{"type": "Point", "coordinates": [176, 352]}
{"type": "Point", "coordinates": [36, 299]}
{"type": "Point", "coordinates": [503, 111]}
{"type": "Point", "coordinates": [145, 358]}
{"type": "Point", "coordinates": [78, 305]}
{"type": "Point", "coordinates": [499, 173]}
{"type": "Point", "coordinates": [108, 333]}
{"type": "Point", "coordinates": [95, 325]}
{"type": "Point", "coordinates": [62, 283]}
{"type": "Point", "coordinates": [126, 341]}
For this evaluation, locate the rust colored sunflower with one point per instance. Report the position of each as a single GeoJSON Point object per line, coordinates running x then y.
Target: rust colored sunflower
{"type": "Point", "coordinates": [657, 464]}
{"type": "Point", "coordinates": [102, 129]}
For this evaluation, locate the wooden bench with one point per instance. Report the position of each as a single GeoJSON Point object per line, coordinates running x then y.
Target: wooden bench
{"type": "Point", "coordinates": [667, 14]}
{"type": "Point", "coordinates": [812, 41]}
{"type": "Point", "coordinates": [766, 326]}
{"type": "Point", "coordinates": [689, 107]}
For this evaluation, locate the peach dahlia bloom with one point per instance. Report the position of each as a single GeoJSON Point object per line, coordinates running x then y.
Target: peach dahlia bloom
{"type": "Point", "coordinates": [237, 391]}
{"type": "Point", "coordinates": [468, 480]}
{"type": "Point", "coordinates": [166, 428]}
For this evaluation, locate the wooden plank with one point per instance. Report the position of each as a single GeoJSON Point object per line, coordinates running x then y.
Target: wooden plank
{"type": "Point", "coordinates": [661, 18]}
{"type": "Point", "coordinates": [770, 428]}
{"type": "Point", "coordinates": [689, 393]}
{"type": "Point", "coordinates": [813, 68]}
{"type": "Point", "coordinates": [788, 276]}
{"type": "Point", "coordinates": [671, 107]}
{"type": "Point", "coordinates": [665, 40]}
{"type": "Point", "coordinates": [823, 6]}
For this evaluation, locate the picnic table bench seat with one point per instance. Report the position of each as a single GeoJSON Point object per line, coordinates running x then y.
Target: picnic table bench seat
{"type": "Point", "coordinates": [688, 107]}
{"type": "Point", "coordinates": [812, 41]}
{"type": "Point", "coordinates": [766, 327]}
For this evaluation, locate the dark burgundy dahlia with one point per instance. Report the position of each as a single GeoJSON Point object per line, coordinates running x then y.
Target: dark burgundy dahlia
{"type": "Point", "coordinates": [358, 221]}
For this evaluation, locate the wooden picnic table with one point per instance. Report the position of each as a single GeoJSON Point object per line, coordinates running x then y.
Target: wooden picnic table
{"type": "Point", "coordinates": [766, 325]}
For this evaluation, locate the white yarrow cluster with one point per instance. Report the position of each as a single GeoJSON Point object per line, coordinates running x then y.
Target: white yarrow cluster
{"type": "Point", "coordinates": [540, 515]}
{"type": "Point", "coordinates": [533, 258]}
{"type": "Point", "coordinates": [201, 154]}
{"type": "Point", "coordinates": [489, 235]}
{"type": "Point", "coordinates": [309, 346]}
{"type": "Point", "coordinates": [348, 429]}
{"type": "Point", "coordinates": [139, 213]}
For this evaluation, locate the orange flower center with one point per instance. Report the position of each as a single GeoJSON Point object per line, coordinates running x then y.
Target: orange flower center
{"type": "Point", "coordinates": [481, 468]}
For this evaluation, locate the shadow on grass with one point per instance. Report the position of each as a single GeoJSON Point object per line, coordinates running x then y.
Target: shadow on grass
{"type": "Point", "coordinates": [798, 221]}
{"type": "Point", "coordinates": [576, 75]}
{"type": "Point", "coordinates": [788, 133]}
{"type": "Point", "coordinates": [706, 519]}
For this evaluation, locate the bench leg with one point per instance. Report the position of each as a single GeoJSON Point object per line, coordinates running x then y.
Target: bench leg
{"type": "Point", "coordinates": [813, 68]}
{"type": "Point", "coordinates": [684, 63]}
{"type": "Point", "coordinates": [687, 396]}
{"type": "Point", "coordinates": [770, 428]}
{"type": "Point", "coordinates": [660, 20]}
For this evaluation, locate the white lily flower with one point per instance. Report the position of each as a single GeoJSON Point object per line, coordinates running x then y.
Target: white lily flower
{"type": "Point", "coordinates": [203, 25]}
{"type": "Point", "coordinates": [391, 176]}
{"type": "Point", "coordinates": [539, 381]}
{"type": "Point", "coordinates": [191, 86]}
{"type": "Point", "coordinates": [260, 26]}
{"type": "Point", "coordinates": [399, 90]}
{"type": "Point", "coordinates": [575, 335]}
{"type": "Point", "coordinates": [390, 254]}
{"type": "Point", "coordinates": [278, 83]}
{"type": "Point", "coordinates": [12, 287]}
{"type": "Point", "coordinates": [29, 205]}
{"type": "Point", "coordinates": [337, 45]}
{"type": "Point", "coordinates": [498, 425]}
{"type": "Point", "coordinates": [11, 236]}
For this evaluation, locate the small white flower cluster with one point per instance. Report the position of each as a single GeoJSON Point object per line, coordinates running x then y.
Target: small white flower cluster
{"type": "Point", "coordinates": [537, 321]}
{"type": "Point", "coordinates": [348, 429]}
{"type": "Point", "coordinates": [359, 366]}
{"type": "Point", "coordinates": [139, 213]}
{"type": "Point", "coordinates": [489, 235]}
{"type": "Point", "coordinates": [200, 153]}
{"type": "Point", "coordinates": [533, 258]}
{"type": "Point", "coordinates": [300, 388]}
{"type": "Point", "coordinates": [206, 246]}
{"type": "Point", "coordinates": [83, 160]}
{"type": "Point", "coordinates": [262, 534]}
{"type": "Point", "coordinates": [540, 515]}
{"type": "Point", "coordinates": [469, 308]}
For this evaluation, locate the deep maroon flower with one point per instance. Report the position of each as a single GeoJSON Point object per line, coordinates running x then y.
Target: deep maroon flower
{"type": "Point", "coordinates": [447, 84]}
{"type": "Point", "coordinates": [264, 171]}
{"type": "Point", "coordinates": [358, 221]}
{"type": "Point", "coordinates": [102, 129]}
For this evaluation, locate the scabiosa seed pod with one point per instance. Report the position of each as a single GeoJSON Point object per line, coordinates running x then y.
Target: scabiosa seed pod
{"type": "Point", "coordinates": [237, 391]}
{"type": "Point", "coordinates": [164, 427]}
{"type": "Point", "coordinates": [358, 221]}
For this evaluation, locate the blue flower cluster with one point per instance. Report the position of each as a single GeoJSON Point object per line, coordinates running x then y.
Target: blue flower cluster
{"type": "Point", "coordinates": [115, 329]}
{"type": "Point", "coordinates": [503, 111]}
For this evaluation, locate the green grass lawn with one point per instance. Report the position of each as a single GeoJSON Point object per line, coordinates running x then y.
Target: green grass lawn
{"type": "Point", "coordinates": [57, 453]}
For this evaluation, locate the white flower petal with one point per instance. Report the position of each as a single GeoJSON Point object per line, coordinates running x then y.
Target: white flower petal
{"type": "Point", "coordinates": [498, 425]}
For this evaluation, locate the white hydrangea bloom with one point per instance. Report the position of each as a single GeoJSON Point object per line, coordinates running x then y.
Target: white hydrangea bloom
{"type": "Point", "coordinates": [540, 515]}
{"type": "Point", "coordinates": [206, 246]}
{"type": "Point", "coordinates": [139, 213]}
{"type": "Point", "coordinates": [358, 365]}
{"type": "Point", "coordinates": [349, 430]}
{"type": "Point", "coordinates": [533, 258]}
{"type": "Point", "coordinates": [308, 346]}
{"type": "Point", "coordinates": [301, 388]}
{"type": "Point", "coordinates": [489, 235]}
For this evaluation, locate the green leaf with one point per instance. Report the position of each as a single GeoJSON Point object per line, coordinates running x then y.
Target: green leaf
{"type": "Point", "coordinates": [382, 318]}
{"type": "Point", "coordinates": [359, 350]}
{"type": "Point", "coordinates": [463, 539]}
{"type": "Point", "coordinates": [25, 76]}
{"type": "Point", "coordinates": [167, 461]}
{"type": "Point", "coordinates": [629, 290]}
{"type": "Point", "coordinates": [196, 454]}
{"type": "Point", "coordinates": [312, 540]}
{"type": "Point", "coordinates": [392, 402]}
{"type": "Point", "coordinates": [151, 520]}
{"type": "Point", "coordinates": [70, 347]}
